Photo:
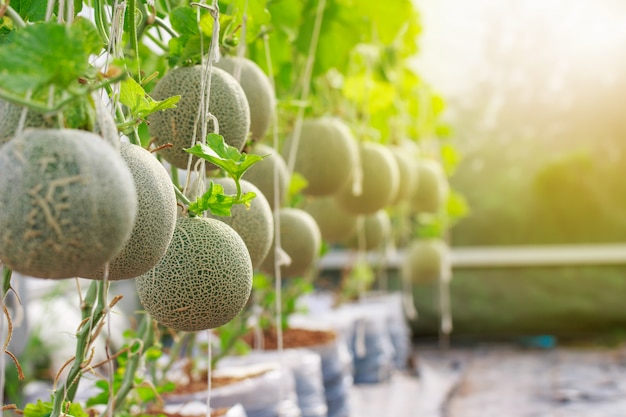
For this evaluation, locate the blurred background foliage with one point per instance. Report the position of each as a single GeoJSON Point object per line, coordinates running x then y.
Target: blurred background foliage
{"type": "Point", "coordinates": [538, 116]}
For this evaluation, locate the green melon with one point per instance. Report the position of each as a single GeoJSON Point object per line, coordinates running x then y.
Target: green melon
{"type": "Point", "coordinates": [156, 217]}
{"type": "Point", "coordinates": [379, 181]}
{"type": "Point", "coordinates": [425, 261]}
{"type": "Point", "coordinates": [335, 224]}
{"type": "Point", "coordinates": [67, 203]}
{"type": "Point", "coordinates": [407, 171]}
{"type": "Point", "coordinates": [204, 279]}
{"type": "Point", "coordinates": [227, 103]}
{"type": "Point", "coordinates": [262, 174]}
{"type": "Point", "coordinates": [255, 224]}
{"type": "Point", "coordinates": [431, 190]}
{"type": "Point", "coordinates": [375, 229]}
{"type": "Point", "coordinates": [325, 156]}
{"type": "Point", "coordinates": [258, 89]}
{"type": "Point", "coordinates": [300, 238]}
{"type": "Point", "coordinates": [88, 114]}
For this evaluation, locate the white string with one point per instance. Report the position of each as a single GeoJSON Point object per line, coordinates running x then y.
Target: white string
{"type": "Point", "coordinates": [209, 375]}
{"type": "Point", "coordinates": [306, 81]}
{"type": "Point", "coordinates": [277, 248]}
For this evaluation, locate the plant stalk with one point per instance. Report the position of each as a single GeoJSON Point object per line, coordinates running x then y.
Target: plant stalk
{"type": "Point", "coordinates": [93, 311]}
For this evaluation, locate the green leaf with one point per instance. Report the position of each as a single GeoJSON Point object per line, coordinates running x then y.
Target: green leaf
{"type": "Point", "coordinates": [224, 156]}
{"type": "Point", "coordinates": [213, 200]}
{"type": "Point", "coordinates": [40, 409]}
{"type": "Point", "coordinates": [256, 14]}
{"type": "Point", "coordinates": [133, 96]}
{"type": "Point", "coordinates": [43, 409]}
{"type": "Point", "coordinates": [30, 10]}
{"type": "Point", "coordinates": [183, 21]}
{"type": "Point", "coordinates": [45, 54]}
{"type": "Point", "coordinates": [166, 387]}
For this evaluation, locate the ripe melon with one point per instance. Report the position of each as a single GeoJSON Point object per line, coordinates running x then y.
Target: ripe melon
{"type": "Point", "coordinates": [335, 224]}
{"type": "Point", "coordinates": [88, 114]}
{"type": "Point", "coordinates": [300, 238]}
{"type": "Point", "coordinates": [326, 155]}
{"type": "Point", "coordinates": [425, 261]}
{"type": "Point", "coordinates": [379, 185]}
{"type": "Point", "coordinates": [261, 174]}
{"type": "Point", "coordinates": [255, 225]}
{"type": "Point", "coordinates": [407, 171]}
{"type": "Point", "coordinates": [227, 103]}
{"type": "Point", "coordinates": [258, 89]}
{"type": "Point", "coordinates": [376, 229]}
{"type": "Point", "coordinates": [204, 279]}
{"type": "Point", "coordinates": [431, 190]}
{"type": "Point", "coordinates": [67, 203]}
{"type": "Point", "coordinates": [156, 217]}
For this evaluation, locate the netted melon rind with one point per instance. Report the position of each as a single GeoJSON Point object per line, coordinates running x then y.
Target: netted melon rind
{"type": "Point", "coordinates": [258, 89]}
{"type": "Point", "coordinates": [335, 224]}
{"type": "Point", "coordinates": [424, 261]}
{"type": "Point", "coordinates": [156, 217]}
{"type": "Point", "coordinates": [326, 155]}
{"type": "Point", "coordinates": [379, 185]}
{"type": "Point", "coordinates": [300, 238]}
{"type": "Point", "coordinates": [67, 203]}
{"type": "Point", "coordinates": [227, 103]}
{"type": "Point", "coordinates": [204, 279]}
{"type": "Point", "coordinates": [261, 174]}
{"type": "Point", "coordinates": [255, 224]}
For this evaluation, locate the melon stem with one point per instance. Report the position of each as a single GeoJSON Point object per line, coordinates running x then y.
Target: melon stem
{"type": "Point", "coordinates": [93, 311]}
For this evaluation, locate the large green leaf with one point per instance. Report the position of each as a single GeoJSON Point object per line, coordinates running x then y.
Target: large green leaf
{"type": "Point", "coordinates": [45, 54]}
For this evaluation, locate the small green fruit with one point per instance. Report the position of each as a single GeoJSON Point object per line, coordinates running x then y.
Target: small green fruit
{"type": "Point", "coordinates": [255, 224]}
{"type": "Point", "coordinates": [408, 174]}
{"type": "Point", "coordinates": [325, 155]}
{"type": "Point", "coordinates": [379, 183]}
{"type": "Point", "coordinates": [335, 224]}
{"type": "Point", "coordinates": [431, 190]}
{"type": "Point", "coordinates": [262, 174]}
{"type": "Point", "coordinates": [376, 230]}
{"type": "Point", "coordinates": [424, 261]}
{"type": "Point", "coordinates": [258, 89]}
{"type": "Point", "coordinates": [300, 238]}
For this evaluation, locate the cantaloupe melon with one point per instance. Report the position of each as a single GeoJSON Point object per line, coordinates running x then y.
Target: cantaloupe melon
{"type": "Point", "coordinates": [156, 217]}
{"type": "Point", "coordinates": [325, 156]}
{"type": "Point", "coordinates": [204, 279]}
{"type": "Point", "coordinates": [258, 89]}
{"type": "Point", "coordinates": [431, 190]}
{"type": "Point", "coordinates": [227, 103]}
{"type": "Point", "coordinates": [335, 224]}
{"type": "Point", "coordinates": [425, 261]}
{"type": "Point", "coordinates": [408, 173]}
{"type": "Point", "coordinates": [67, 203]}
{"type": "Point", "coordinates": [379, 185]}
{"type": "Point", "coordinates": [300, 238]}
{"type": "Point", "coordinates": [261, 174]}
{"type": "Point", "coordinates": [255, 224]}
{"type": "Point", "coordinates": [376, 229]}
{"type": "Point", "coordinates": [88, 113]}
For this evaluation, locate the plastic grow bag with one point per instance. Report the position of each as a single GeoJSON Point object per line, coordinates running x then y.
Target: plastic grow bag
{"type": "Point", "coordinates": [305, 364]}
{"type": "Point", "coordinates": [264, 390]}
